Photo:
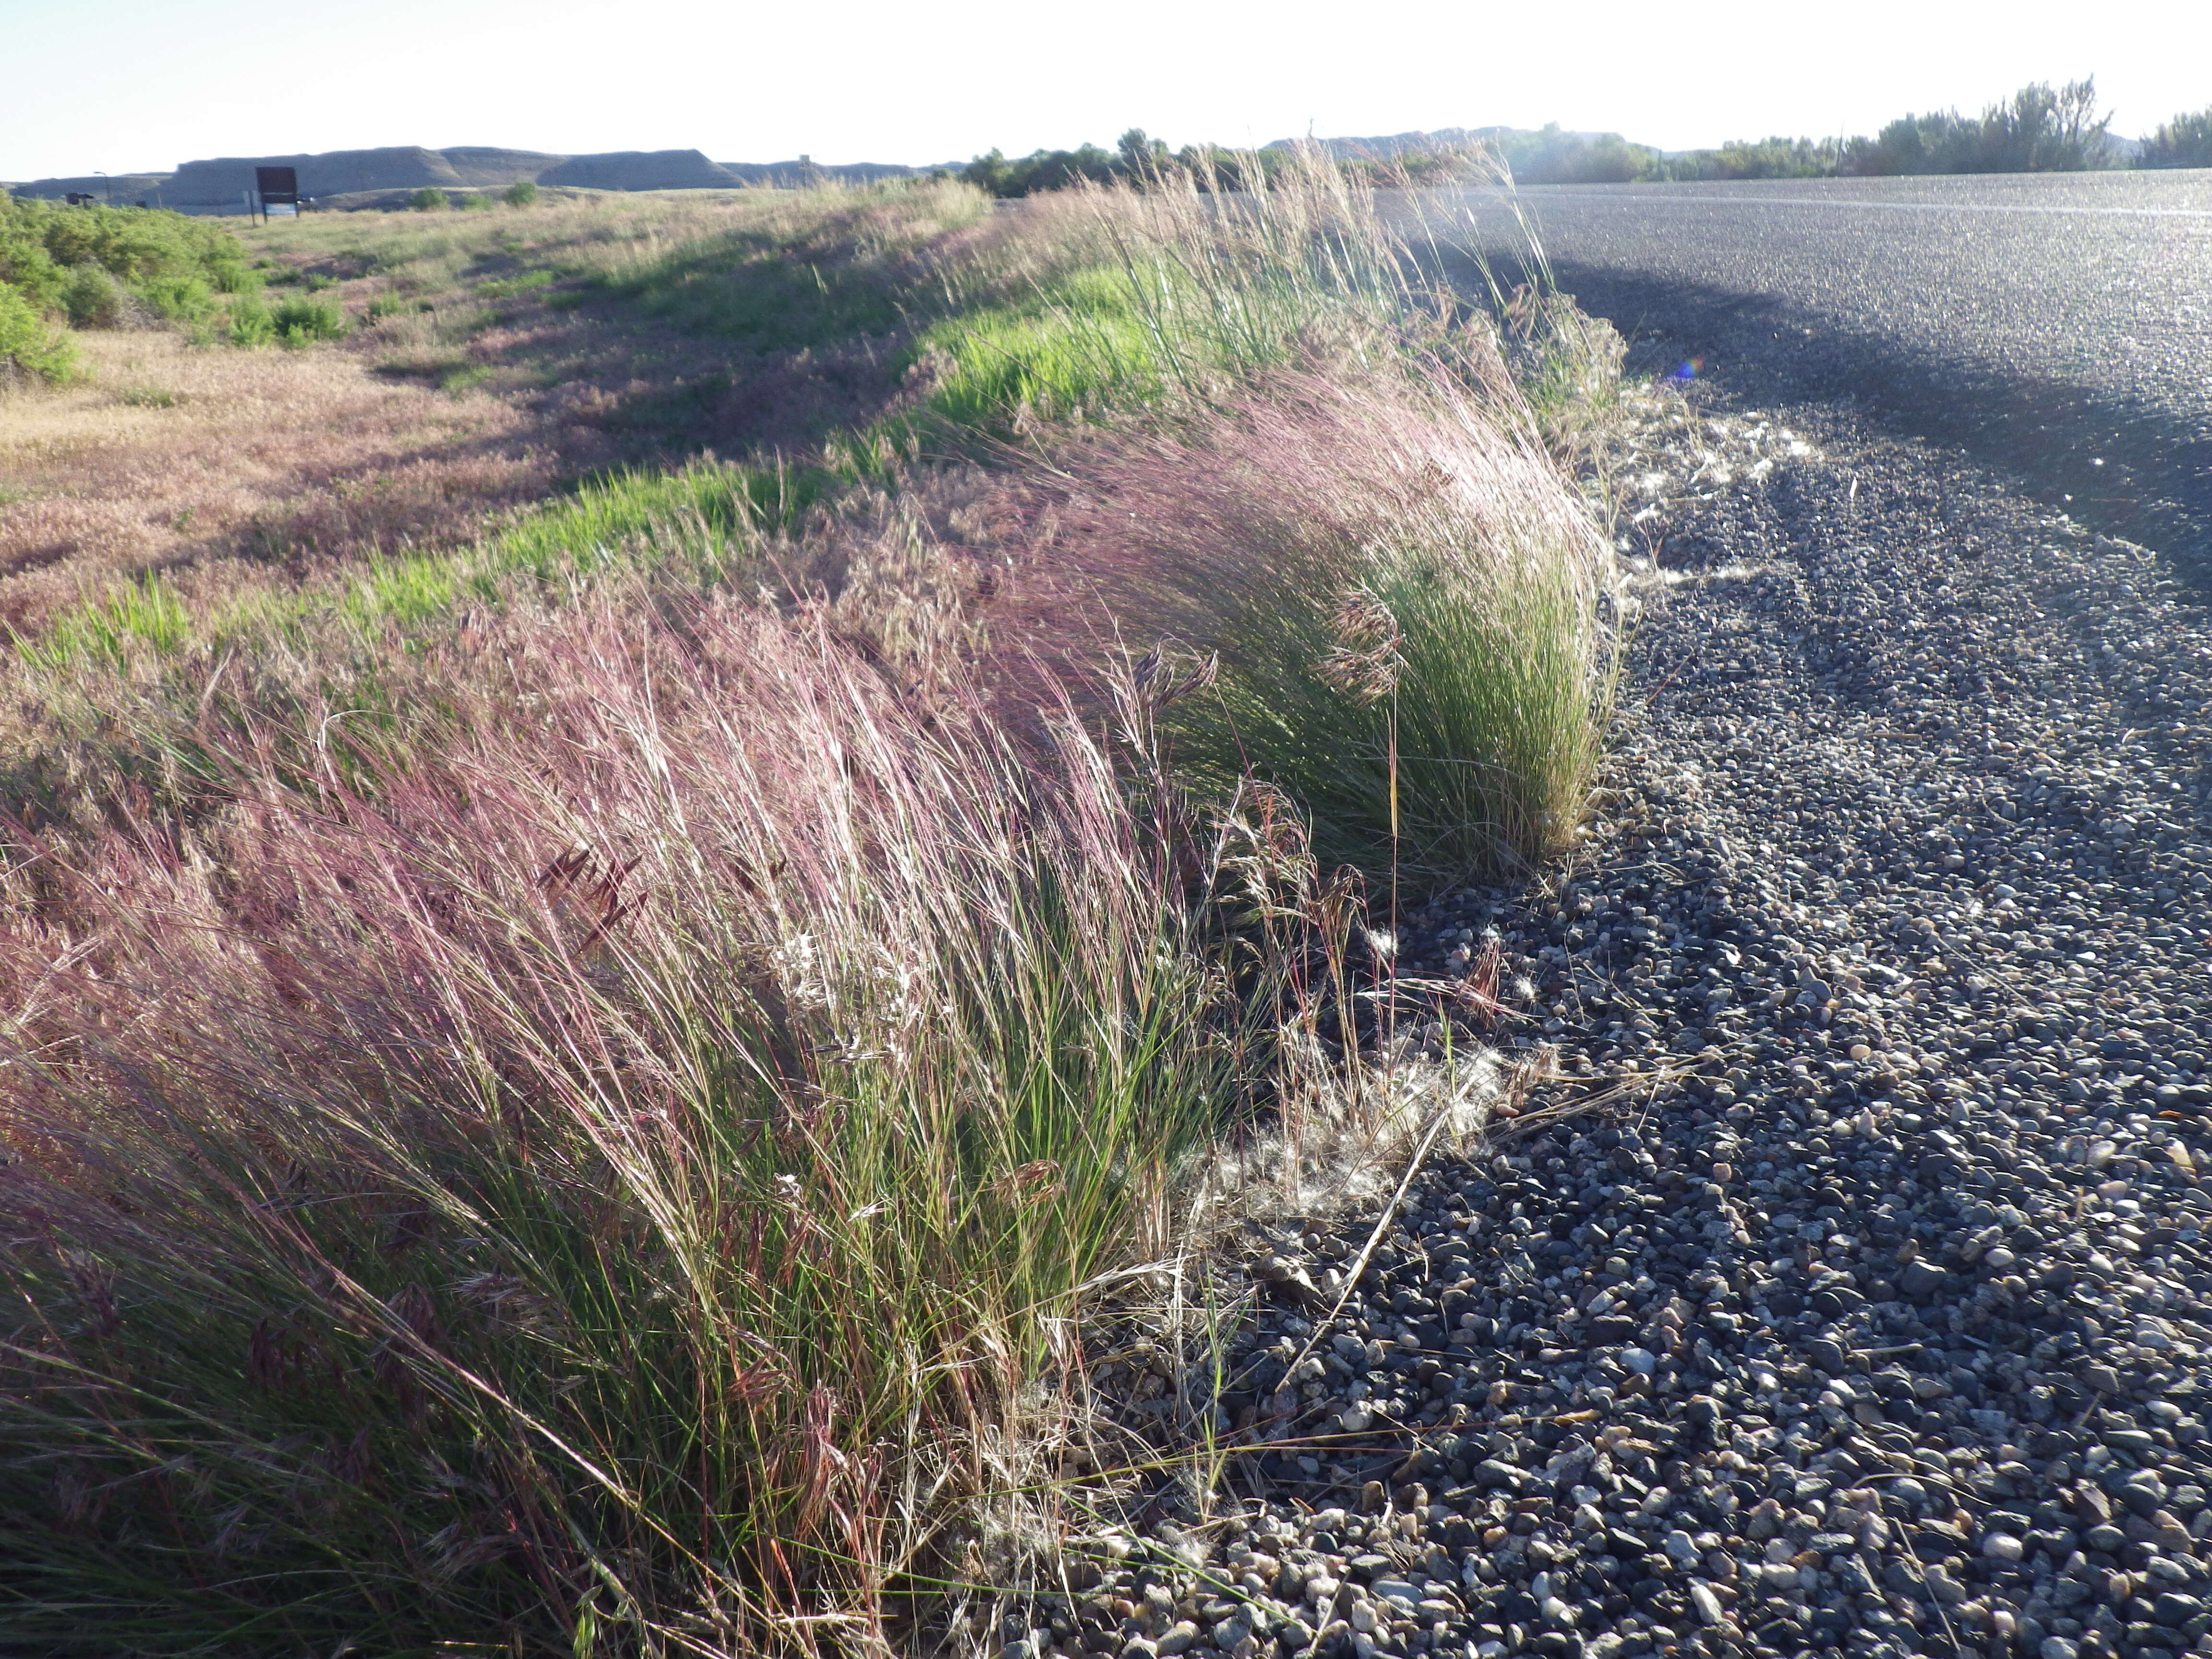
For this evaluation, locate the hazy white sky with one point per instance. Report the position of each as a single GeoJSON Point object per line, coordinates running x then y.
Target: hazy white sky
{"type": "Point", "coordinates": [120, 85]}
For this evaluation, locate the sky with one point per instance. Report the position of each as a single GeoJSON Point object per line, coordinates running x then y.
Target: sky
{"type": "Point", "coordinates": [128, 85]}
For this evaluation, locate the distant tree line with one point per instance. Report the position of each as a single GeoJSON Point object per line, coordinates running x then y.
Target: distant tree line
{"type": "Point", "coordinates": [1137, 157]}
{"type": "Point", "coordinates": [2184, 142]}
{"type": "Point", "coordinates": [2040, 128]}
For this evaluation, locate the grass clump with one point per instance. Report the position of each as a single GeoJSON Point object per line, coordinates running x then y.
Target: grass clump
{"type": "Point", "coordinates": [300, 320]}
{"type": "Point", "coordinates": [1403, 605]}
{"type": "Point", "coordinates": [704, 519]}
{"type": "Point", "coordinates": [598, 1189]}
{"type": "Point", "coordinates": [1116, 297]}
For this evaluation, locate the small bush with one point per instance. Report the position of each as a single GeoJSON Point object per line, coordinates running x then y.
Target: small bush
{"type": "Point", "coordinates": [385, 305]}
{"type": "Point", "coordinates": [92, 298]}
{"type": "Point", "coordinates": [299, 320]}
{"type": "Point", "coordinates": [429, 199]}
{"type": "Point", "coordinates": [250, 324]}
{"type": "Point", "coordinates": [28, 347]}
{"type": "Point", "coordinates": [181, 298]}
{"type": "Point", "coordinates": [521, 193]}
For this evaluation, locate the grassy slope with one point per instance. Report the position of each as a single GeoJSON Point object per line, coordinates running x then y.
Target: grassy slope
{"type": "Point", "coordinates": [547, 1157]}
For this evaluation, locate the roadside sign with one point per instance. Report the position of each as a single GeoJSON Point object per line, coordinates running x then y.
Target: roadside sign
{"type": "Point", "coordinates": [277, 187]}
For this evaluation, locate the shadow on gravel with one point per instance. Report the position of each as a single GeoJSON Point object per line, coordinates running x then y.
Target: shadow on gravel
{"type": "Point", "coordinates": [2121, 466]}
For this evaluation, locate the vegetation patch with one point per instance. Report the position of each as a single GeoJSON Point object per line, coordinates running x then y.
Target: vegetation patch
{"type": "Point", "coordinates": [2184, 142]}
{"type": "Point", "coordinates": [570, 1088]}
{"type": "Point", "coordinates": [90, 264]}
{"type": "Point", "coordinates": [697, 1216]}
{"type": "Point", "coordinates": [31, 348]}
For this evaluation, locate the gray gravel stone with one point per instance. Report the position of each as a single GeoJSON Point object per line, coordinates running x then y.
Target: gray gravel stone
{"type": "Point", "coordinates": [1872, 1320]}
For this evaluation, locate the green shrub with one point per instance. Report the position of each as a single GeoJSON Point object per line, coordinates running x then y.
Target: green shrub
{"type": "Point", "coordinates": [180, 298]}
{"type": "Point", "coordinates": [1769, 158]}
{"type": "Point", "coordinates": [385, 305]}
{"type": "Point", "coordinates": [92, 298]}
{"type": "Point", "coordinates": [25, 264]}
{"type": "Point", "coordinates": [521, 193]}
{"type": "Point", "coordinates": [1041, 170]}
{"type": "Point", "coordinates": [27, 346]}
{"type": "Point", "coordinates": [299, 319]}
{"type": "Point", "coordinates": [135, 245]}
{"type": "Point", "coordinates": [250, 324]}
{"type": "Point", "coordinates": [429, 199]}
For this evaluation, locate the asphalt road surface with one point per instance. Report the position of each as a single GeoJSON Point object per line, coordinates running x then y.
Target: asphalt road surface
{"type": "Point", "coordinates": [2057, 325]}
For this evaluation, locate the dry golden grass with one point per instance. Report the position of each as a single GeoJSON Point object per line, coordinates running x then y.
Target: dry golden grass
{"type": "Point", "coordinates": [172, 456]}
{"type": "Point", "coordinates": [225, 468]}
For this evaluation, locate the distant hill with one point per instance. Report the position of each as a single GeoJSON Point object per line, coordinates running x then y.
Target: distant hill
{"type": "Point", "coordinates": [639, 169]}
{"type": "Point", "coordinates": [124, 189]}
{"type": "Point", "coordinates": [367, 177]}
{"type": "Point", "coordinates": [221, 182]}
{"type": "Point", "coordinates": [488, 168]}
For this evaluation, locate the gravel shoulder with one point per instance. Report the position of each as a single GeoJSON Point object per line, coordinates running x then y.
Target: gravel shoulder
{"type": "Point", "coordinates": [2054, 325]}
{"type": "Point", "coordinates": [1877, 1323]}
